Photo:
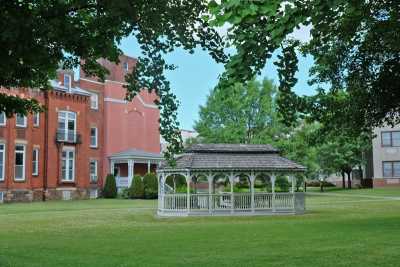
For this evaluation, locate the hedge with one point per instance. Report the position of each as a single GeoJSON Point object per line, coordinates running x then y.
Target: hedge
{"type": "Point", "coordinates": [110, 187]}
{"type": "Point", "coordinates": [150, 186]}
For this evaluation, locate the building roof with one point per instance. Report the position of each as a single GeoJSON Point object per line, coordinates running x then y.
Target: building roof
{"type": "Point", "coordinates": [73, 90]}
{"type": "Point", "coordinates": [135, 153]}
{"type": "Point", "coordinates": [202, 157]}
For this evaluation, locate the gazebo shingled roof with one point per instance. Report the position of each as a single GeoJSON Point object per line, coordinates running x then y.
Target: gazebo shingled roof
{"type": "Point", "coordinates": [233, 157]}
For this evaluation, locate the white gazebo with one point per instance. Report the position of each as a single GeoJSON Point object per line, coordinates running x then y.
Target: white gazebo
{"type": "Point", "coordinates": [229, 179]}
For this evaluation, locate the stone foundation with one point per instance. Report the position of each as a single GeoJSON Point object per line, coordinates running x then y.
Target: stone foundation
{"type": "Point", "coordinates": [24, 195]}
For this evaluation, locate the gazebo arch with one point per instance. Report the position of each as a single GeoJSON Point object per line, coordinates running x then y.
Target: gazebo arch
{"type": "Point", "coordinates": [231, 179]}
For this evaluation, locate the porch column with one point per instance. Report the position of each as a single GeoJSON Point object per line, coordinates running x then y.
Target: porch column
{"type": "Point", "coordinates": [131, 170]}
{"type": "Point", "coordinates": [231, 180]}
{"type": "Point", "coordinates": [252, 178]}
{"type": "Point", "coordinates": [273, 192]}
{"type": "Point", "coordinates": [112, 166]}
{"type": "Point", "coordinates": [210, 189]}
{"type": "Point", "coordinates": [188, 179]}
{"type": "Point", "coordinates": [148, 166]}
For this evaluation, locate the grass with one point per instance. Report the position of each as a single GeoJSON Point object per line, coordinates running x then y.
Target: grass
{"type": "Point", "coordinates": [341, 228]}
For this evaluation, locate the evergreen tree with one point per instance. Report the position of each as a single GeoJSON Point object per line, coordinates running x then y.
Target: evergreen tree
{"type": "Point", "coordinates": [110, 187]}
{"type": "Point", "coordinates": [150, 186]}
{"type": "Point", "coordinates": [136, 191]}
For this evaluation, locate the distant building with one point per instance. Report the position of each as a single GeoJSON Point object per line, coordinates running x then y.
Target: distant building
{"type": "Point", "coordinates": [384, 167]}
{"type": "Point", "coordinates": [186, 134]}
{"type": "Point", "coordinates": [87, 131]}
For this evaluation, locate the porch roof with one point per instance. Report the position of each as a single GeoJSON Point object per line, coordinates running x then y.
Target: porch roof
{"type": "Point", "coordinates": [136, 154]}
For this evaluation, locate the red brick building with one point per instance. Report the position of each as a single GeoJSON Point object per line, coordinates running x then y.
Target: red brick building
{"type": "Point", "coordinates": [65, 152]}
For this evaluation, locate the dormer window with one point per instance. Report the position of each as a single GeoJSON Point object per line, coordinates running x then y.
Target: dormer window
{"type": "Point", "coordinates": [67, 81]}
{"type": "Point", "coordinates": [126, 66]}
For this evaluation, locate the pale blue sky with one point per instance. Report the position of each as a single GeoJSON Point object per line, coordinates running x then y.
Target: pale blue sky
{"type": "Point", "coordinates": [197, 74]}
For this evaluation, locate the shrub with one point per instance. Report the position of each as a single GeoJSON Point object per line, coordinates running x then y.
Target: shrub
{"type": "Point", "coordinates": [110, 187]}
{"type": "Point", "coordinates": [124, 194]}
{"type": "Point", "coordinates": [150, 186]}
{"type": "Point", "coordinates": [136, 190]}
{"type": "Point", "coordinates": [282, 183]}
{"type": "Point", "coordinates": [317, 183]}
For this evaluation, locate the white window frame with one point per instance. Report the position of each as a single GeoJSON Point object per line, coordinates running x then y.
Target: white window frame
{"type": "Point", "coordinates": [23, 152]}
{"type": "Point", "coordinates": [67, 165]}
{"type": "Point", "coordinates": [126, 66]}
{"type": "Point", "coordinates": [94, 104]}
{"type": "Point", "coordinates": [66, 119]}
{"type": "Point", "coordinates": [35, 161]}
{"type": "Point", "coordinates": [36, 119]}
{"type": "Point", "coordinates": [3, 157]}
{"type": "Point", "coordinates": [20, 125]}
{"type": "Point", "coordinates": [96, 136]}
{"type": "Point", "coordinates": [68, 86]}
{"type": "Point", "coordinates": [3, 123]}
{"type": "Point", "coordinates": [93, 176]}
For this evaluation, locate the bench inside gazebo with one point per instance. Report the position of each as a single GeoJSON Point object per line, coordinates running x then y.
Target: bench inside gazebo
{"type": "Point", "coordinates": [230, 179]}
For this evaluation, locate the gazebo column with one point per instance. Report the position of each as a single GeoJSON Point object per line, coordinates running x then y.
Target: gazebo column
{"type": "Point", "coordinates": [273, 192]}
{"type": "Point", "coordinates": [188, 180]}
{"type": "Point", "coordinates": [293, 178]}
{"type": "Point", "coordinates": [252, 179]}
{"type": "Point", "coordinates": [161, 181]}
{"type": "Point", "coordinates": [210, 178]}
{"type": "Point", "coordinates": [232, 180]}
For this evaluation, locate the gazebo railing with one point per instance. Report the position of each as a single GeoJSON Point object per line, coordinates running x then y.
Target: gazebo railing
{"type": "Point", "coordinates": [260, 202]}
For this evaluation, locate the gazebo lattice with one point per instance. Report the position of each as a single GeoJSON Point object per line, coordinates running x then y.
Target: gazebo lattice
{"type": "Point", "coordinates": [215, 174]}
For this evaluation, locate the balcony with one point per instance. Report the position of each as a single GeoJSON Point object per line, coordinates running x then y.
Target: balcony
{"type": "Point", "coordinates": [68, 136]}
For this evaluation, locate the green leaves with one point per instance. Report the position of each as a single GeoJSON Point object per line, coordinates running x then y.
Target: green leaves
{"type": "Point", "coordinates": [356, 50]}
{"type": "Point", "coordinates": [70, 31]}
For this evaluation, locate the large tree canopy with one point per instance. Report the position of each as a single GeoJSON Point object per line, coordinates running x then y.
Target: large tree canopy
{"type": "Point", "coordinates": [242, 114]}
{"type": "Point", "coordinates": [35, 36]}
{"type": "Point", "coordinates": [355, 45]}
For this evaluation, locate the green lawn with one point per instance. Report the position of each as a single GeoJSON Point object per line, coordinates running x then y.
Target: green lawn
{"type": "Point", "coordinates": [341, 228]}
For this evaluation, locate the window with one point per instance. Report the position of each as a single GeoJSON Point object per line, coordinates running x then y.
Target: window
{"type": "Point", "coordinates": [20, 120]}
{"type": "Point", "coordinates": [93, 137]}
{"type": "Point", "coordinates": [2, 160]}
{"type": "Point", "coordinates": [68, 165]}
{"type": "Point", "coordinates": [94, 101]}
{"type": "Point", "coordinates": [36, 119]}
{"type": "Point", "coordinates": [19, 174]}
{"type": "Point", "coordinates": [67, 81]}
{"type": "Point", "coordinates": [126, 66]}
{"type": "Point", "coordinates": [35, 161]}
{"type": "Point", "coordinates": [66, 126]}
{"type": "Point", "coordinates": [93, 171]}
{"type": "Point", "coordinates": [391, 169]}
{"type": "Point", "coordinates": [390, 138]}
{"type": "Point", "coordinates": [2, 119]}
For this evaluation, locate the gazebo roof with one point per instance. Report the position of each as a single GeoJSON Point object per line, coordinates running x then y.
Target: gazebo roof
{"type": "Point", "coordinates": [202, 157]}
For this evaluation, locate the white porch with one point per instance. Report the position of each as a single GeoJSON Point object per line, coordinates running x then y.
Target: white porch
{"type": "Point", "coordinates": [125, 165]}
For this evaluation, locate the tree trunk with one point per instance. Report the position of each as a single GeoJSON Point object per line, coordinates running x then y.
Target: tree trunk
{"type": "Point", "coordinates": [343, 180]}
{"type": "Point", "coordinates": [348, 180]}
{"type": "Point", "coordinates": [305, 186]}
{"type": "Point", "coordinates": [321, 186]}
